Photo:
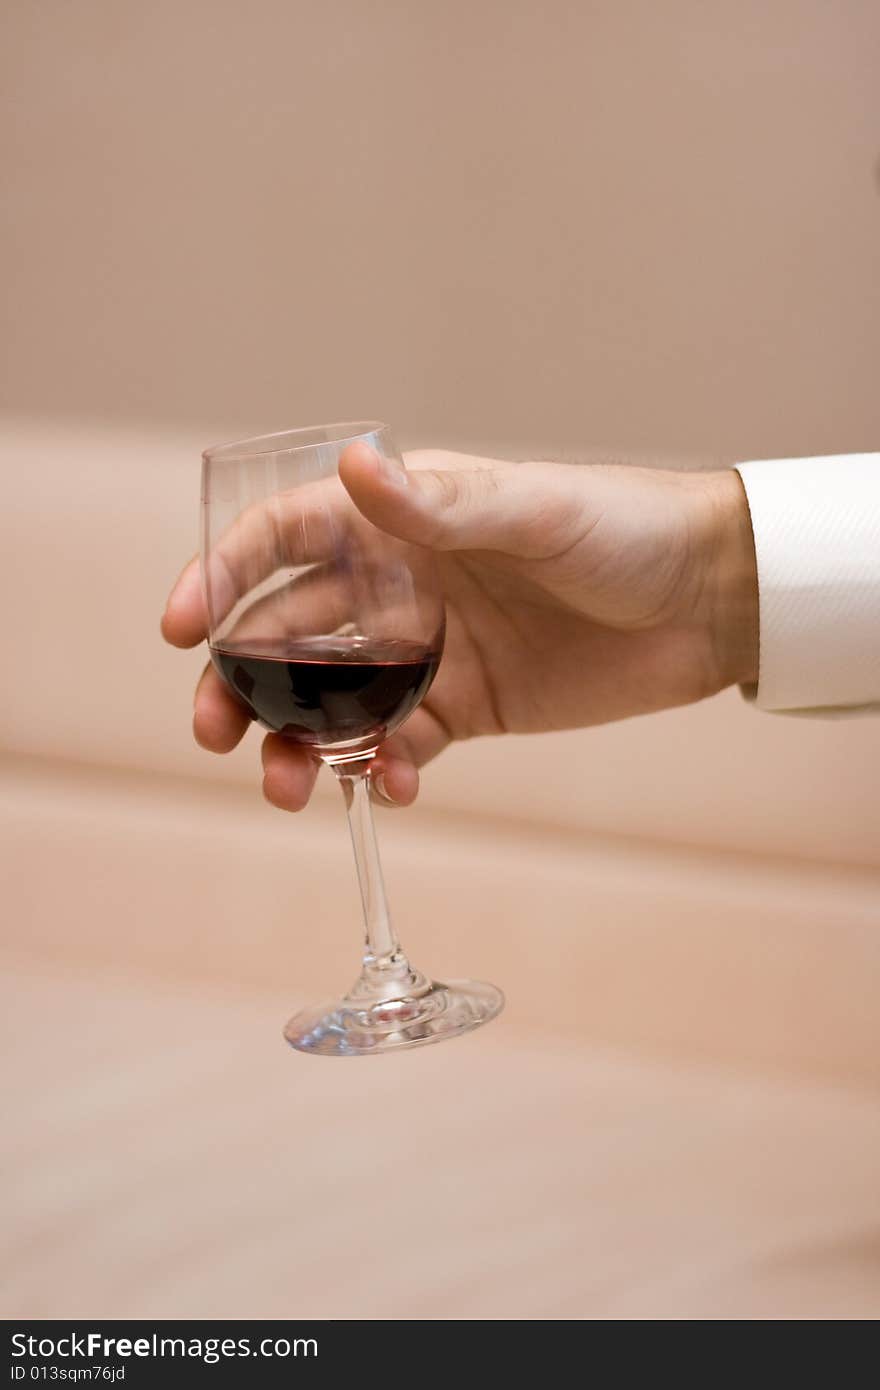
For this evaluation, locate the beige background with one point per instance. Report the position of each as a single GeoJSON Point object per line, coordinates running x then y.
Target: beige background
{"type": "Point", "coordinates": [544, 224]}
{"type": "Point", "coordinates": [529, 228]}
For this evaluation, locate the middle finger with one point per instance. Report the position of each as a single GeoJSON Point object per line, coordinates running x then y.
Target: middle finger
{"type": "Point", "coordinates": [219, 720]}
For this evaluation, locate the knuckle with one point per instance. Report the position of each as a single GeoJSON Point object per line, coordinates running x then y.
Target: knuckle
{"type": "Point", "coordinates": [441, 496]}
{"type": "Point", "coordinates": [489, 482]}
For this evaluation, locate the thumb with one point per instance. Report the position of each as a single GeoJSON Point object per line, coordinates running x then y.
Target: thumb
{"type": "Point", "coordinates": [515, 508]}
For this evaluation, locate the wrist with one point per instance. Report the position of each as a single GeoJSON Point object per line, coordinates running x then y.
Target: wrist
{"type": "Point", "coordinates": [732, 587]}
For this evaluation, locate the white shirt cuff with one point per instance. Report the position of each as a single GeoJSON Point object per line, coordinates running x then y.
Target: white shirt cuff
{"type": "Point", "coordinates": [816, 524]}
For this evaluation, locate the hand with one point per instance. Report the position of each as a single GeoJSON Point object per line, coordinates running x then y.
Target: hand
{"type": "Point", "coordinates": [576, 594]}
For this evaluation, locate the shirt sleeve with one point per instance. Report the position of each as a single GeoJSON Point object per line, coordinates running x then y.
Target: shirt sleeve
{"type": "Point", "coordinates": [816, 523]}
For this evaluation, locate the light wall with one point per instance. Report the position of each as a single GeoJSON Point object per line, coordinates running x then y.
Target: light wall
{"type": "Point", "coordinates": [539, 225]}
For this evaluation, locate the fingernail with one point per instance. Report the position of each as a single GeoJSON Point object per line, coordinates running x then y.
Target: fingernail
{"type": "Point", "coordinates": [381, 789]}
{"type": "Point", "coordinates": [392, 469]}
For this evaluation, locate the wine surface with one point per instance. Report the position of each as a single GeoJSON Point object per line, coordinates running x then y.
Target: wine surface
{"type": "Point", "coordinates": [326, 691]}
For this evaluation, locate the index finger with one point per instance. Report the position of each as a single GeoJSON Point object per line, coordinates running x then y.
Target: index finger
{"type": "Point", "coordinates": [185, 620]}
{"type": "Point", "coordinates": [298, 526]}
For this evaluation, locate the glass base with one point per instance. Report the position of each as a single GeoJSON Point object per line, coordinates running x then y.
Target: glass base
{"type": "Point", "coordinates": [356, 1027]}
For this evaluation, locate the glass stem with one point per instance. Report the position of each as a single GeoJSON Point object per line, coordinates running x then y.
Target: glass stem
{"type": "Point", "coordinates": [384, 961]}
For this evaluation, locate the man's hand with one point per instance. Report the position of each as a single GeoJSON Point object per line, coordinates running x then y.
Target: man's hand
{"type": "Point", "coordinates": [576, 594]}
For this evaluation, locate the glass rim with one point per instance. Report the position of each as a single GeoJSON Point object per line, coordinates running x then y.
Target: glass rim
{"type": "Point", "coordinates": [292, 441]}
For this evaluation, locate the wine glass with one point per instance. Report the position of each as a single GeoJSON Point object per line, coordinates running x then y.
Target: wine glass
{"type": "Point", "coordinates": [330, 633]}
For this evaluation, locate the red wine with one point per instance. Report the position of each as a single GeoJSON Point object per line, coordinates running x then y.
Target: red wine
{"type": "Point", "coordinates": [324, 691]}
